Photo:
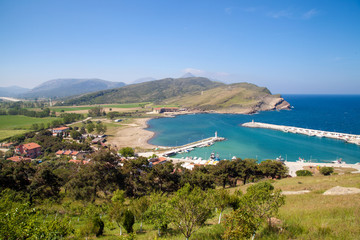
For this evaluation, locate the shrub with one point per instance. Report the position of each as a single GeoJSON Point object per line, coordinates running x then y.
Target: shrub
{"type": "Point", "coordinates": [97, 226]}
{"type": "Point", "coordinates": [301, 173]}
{"type": "Point", "coordinates": [326, 171]}
{"type": "Point", "coordinates": [129, 221]}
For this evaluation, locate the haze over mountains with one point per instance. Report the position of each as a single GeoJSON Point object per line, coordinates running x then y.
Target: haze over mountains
{"type": "Point", "coordinates": [12, 91]}
{"type": "Point", "coordinates": [58, 88]}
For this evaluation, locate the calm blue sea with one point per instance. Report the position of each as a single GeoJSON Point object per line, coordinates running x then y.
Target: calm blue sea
{"type": "Point", "coordinates": [340, 113]}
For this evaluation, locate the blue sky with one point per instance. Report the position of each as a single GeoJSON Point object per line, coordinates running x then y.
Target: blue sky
{"type": "Point", "coordinates": [293, 46]}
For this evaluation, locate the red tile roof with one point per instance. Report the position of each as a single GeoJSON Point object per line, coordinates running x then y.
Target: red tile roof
{"type": "Point", "coordinates": [19, 158]}
{"type": "Point", "coordinates": [60, 128]}
{"type": "Point", "coordinates": [60, 152]}
{"type": "Point", "coordinates": [31, 145]}
{"type": "Point", "coordinates": [67, 152]}
{"type": "Point", "coordinates": [74, 153]}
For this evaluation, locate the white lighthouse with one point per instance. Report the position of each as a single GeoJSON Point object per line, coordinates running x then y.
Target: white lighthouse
{"type": "Point", "coordinates": [216, 134]}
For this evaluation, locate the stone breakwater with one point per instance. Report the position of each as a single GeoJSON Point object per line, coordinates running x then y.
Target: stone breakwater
{"type": "Point", "coordinates": [349, 138]}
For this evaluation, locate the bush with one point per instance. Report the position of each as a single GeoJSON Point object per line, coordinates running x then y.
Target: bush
{"type": "Point", "coordinates": [129, 221]}
{"type": "Point", "coordinates": [326, 171]}
{"type": "Point", "coordinates": [301, 173]}
{"type": "Point", "coordinates": [97, 226]}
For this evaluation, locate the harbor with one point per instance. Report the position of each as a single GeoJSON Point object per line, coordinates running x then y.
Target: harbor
{"type": "Point", "coordinates": [349, 138]}
{"type": "Point", "coordinates": [191, 146]}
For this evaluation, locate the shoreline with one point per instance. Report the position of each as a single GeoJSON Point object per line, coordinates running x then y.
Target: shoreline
{"type": "Point", "coordinates": [136, 135]}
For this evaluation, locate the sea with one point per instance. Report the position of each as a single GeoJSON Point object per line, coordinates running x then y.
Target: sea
{"type": "Point", "coordinates": [338, 113]}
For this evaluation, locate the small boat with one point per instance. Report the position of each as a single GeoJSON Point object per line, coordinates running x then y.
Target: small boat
{"type": "Point", "coordinates": [280, 159]}
{"type": "Point", "coordinates": [338, 161]}
{"type": "Point", "coordinates": [301, 160]}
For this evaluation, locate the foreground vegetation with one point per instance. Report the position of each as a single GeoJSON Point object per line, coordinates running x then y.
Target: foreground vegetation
{"type": "Point", "coordinates": [56, 199]}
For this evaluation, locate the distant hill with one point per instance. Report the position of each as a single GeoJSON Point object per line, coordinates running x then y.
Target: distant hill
{"type": "Point", "coordinates": [12, 91]}
{"type": "Point", "coordinates": [69, 87]}
{"type": "Point", "coordinates": [145, 79]}
{"type": "Point", "coordinates": [187, 75]}
{"type": "Point", "coordinates": [154, 91]}
{"type": "Point", "coordinates": [195, 93]}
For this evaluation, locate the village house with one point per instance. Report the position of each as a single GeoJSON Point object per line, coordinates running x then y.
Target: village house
{"type": "Point", "coordinates": [19, 159]}
{"type": "Point", "coordinates": [6, 145]}
{"type": "Point", "coordinates": [55, 131]}
{"type": "Point", "coordinates": [75, 155]}
{"type": "Point", "coordinates": [31, 150]}
{"type": "Point", "coordinates": [156, 161]}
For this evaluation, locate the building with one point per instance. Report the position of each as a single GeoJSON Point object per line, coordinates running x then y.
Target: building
{"type": "Point", "coordinates": [31, 150]}
{"type": "Point", "coordinates": [166, 109]}
{"type": "Point", "coordinates": [59, 130]}
{"type": "Point", "coordinates": [156, 161]}
{"type": "Point", "coordinates": [76, 155]}
{"type": "Point", "coordinates": [19, 159]}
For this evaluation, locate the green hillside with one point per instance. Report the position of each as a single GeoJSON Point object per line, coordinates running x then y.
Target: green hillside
{"type": "Point", "coordinates": [194, 93]}
{"type": "Point", "coordinates": [154, 91]}
{"type": "Point", "coordinates": [238, 95]}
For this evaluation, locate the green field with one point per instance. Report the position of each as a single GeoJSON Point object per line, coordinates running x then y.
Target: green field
{"type": "Point", "coordinates": [11, 125]}
{"type": "Point", "coordinates": [78, 108]}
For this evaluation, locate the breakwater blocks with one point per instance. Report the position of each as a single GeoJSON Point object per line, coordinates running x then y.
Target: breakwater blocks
{"type": "Point", "coordinates": [349, 138]}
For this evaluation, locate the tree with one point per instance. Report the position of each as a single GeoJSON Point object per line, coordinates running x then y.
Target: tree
{"type": "Point", "coordinates": [97, 226]}
{"type": "Point", "coordinates": [139, 207]}
{"type": "Point", "coordinates": [239, 225]}
{"type": "Point", "coordinates": [246, 169]}
{"type": "Point", "coordinates": [200, 176]}
{"type": "Point", "coordinates": [189, 209]}
{"type": "Point", "coordinates": [127, 152]}
{"type": "Point", "coordinates": [260, 203]}
{"type": "Point", "coordinates": [128, 221]}
{"type": "Point", "coordinates": [223, 172]}
{"type": "Point", "coordinates": [90, 127]}
{"type": "Point", "coordinates": [273, 169]}
{"type": "Point", "coordinates": [326, 171]}
{"type": "Point", "coordinates": [75, 134]}
{"type": "Point", "coordinates": [100, 128]}
{"type": "Point", "coordinates": [96, 112]}
{"type": "Point", "coordinates": [300, 173]}
{"type": "Point", "coordinates": [118, 208]}
{"type": "Point", "coordinates": [45, 184]}
{"type": "Point", "coordinates": [157, 213]}
{"type": "Point", "coordinates": [221, 199]}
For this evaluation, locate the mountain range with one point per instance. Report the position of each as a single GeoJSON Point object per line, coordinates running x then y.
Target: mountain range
{"type": "Point", "coordinates": [12, 91]}
{"type": "Point", "coordinates": [59, 88]}
{"type": "Point", "coordinates": [196, 93]}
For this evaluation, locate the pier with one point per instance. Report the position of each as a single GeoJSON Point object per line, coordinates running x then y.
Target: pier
{"type": "Point", "coordinates": [349, 138]}
{"type": "Point", "coordinates": [190, 146]}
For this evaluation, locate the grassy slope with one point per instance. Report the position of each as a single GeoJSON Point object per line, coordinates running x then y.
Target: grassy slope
{"type": "Point", "coordinates": [77, 108]}
{"type": "Point", "coordinates": [239, 95]}
{"type": "Point", "coordinates": [307, 216]}
{"type": "Point", "coordinates": [154, 91]}
{"type": "Point", "coordinates": [317, 216]}
{"type": "Point", "coordinates": [11, 125]}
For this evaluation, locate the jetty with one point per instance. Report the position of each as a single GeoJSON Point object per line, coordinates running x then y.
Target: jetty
{"type": "Point", "coordinates": [190, 146]}
{"type": "Point", "coordinates": [349, 138]}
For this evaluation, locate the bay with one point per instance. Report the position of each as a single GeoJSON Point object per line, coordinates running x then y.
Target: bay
{"type": "Point", "coordinates": [340, 113]}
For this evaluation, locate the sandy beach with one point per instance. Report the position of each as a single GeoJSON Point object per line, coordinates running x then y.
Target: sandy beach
{"type": "Point", "coordinates": [133, 135]}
